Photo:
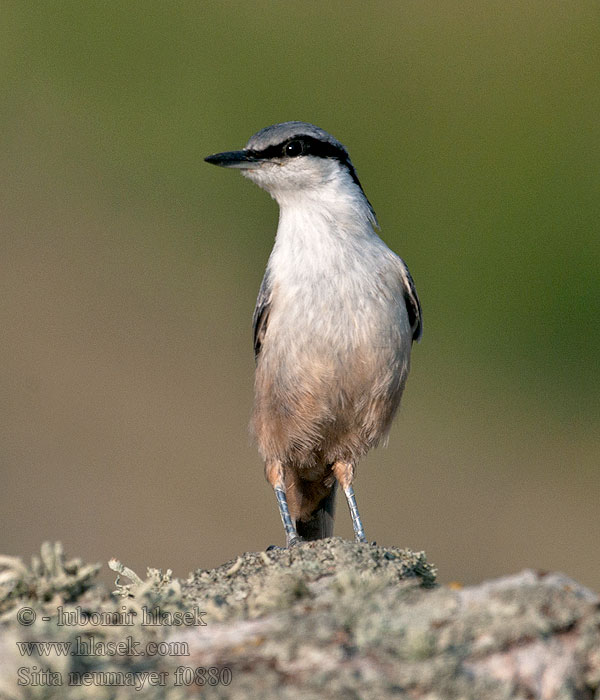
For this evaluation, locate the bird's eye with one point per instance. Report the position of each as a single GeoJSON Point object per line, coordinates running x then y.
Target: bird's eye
{"type": "Point", "coordinates": [293, 148]}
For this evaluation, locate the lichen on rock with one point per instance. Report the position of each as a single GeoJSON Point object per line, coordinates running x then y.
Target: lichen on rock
{"type": "Point", "coordinates": [325, 619]}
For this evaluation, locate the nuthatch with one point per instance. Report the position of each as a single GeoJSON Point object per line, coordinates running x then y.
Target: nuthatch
{"type": "Point", "coordinates": [335, 319]}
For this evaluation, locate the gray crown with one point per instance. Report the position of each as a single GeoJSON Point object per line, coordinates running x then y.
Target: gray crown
{"type": "Point", "coordinates": [278, 133]}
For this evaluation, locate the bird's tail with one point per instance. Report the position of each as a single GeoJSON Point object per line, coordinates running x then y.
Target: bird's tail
{"type": "Point", "coordinates": [319, 523]}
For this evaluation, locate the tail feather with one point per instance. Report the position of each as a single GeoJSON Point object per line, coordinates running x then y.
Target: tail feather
{"type": "Point", "coordinates": [319, 523]}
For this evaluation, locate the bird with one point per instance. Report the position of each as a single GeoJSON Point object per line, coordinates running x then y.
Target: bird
{"type": "Point", "coordinates": [335, 319]}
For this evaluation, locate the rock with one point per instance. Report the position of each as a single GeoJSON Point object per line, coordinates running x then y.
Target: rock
{"type": "Point", "coordinates": [326, 619]}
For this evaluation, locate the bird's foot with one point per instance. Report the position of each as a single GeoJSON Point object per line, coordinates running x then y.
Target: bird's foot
{"type": "Point", "coordinates": [294, 541]}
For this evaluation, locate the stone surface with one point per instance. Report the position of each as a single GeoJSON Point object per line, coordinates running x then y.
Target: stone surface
{"type": "Point", "coordinates": [327, 619]}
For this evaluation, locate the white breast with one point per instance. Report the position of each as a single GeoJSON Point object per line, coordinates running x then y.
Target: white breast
{"type": "Point", "coordinates": [336, 284]}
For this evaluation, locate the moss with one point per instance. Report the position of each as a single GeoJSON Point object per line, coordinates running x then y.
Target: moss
{"type": "Point", "coordinates": [328, 619]}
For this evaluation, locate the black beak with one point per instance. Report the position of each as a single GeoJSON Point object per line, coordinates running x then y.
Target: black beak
{"type": "Point", "coordinates": [233, 159]}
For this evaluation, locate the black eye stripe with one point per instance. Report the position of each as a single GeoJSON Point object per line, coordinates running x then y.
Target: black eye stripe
{"type": "Point", "coordinates": [311, 147]}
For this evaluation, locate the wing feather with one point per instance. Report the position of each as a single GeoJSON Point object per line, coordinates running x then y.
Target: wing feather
{"type": "Point", "coordinates": [261, 314]}
{"type": "Point", "coordinates": [413, 305]}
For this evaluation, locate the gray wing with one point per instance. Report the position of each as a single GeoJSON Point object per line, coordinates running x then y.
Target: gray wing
{"type": "Point", "coordinates": [413, 305]}
{"type": "Point", "coordinates": [261, 313]}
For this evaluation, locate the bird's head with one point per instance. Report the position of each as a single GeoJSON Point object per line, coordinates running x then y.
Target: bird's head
{"type": "Point", "coordinates": [292, 159]}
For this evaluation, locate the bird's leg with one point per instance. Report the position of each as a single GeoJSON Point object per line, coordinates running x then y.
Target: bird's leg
{"type": "Point", "coordinates": [344, 473]}
{"type": "Point", "coordinates": [274, 474]}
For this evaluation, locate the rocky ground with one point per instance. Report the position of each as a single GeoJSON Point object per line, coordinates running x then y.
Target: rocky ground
{"type": "Point", "coordinates": [328, 619]}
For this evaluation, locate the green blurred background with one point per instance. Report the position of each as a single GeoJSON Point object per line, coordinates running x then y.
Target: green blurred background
{"type": "Point", "coordinates": [129, 270]}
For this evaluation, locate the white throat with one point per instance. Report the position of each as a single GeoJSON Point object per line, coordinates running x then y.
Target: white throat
{"type": "Point", "coordinates": [317, 220]}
